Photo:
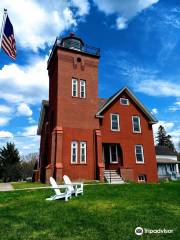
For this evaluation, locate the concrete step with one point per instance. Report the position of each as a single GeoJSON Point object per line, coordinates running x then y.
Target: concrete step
{"type": "Point", "coordinates": [112, 171]}
{"type": "Point", "coordinates": [113, 177]}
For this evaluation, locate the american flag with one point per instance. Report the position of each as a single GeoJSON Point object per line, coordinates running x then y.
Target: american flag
{"type": "Point", "coordinates": [8, 43]}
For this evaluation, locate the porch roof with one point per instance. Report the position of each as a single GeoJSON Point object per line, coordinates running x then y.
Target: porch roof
{"type": "Point", "coordinates": [167, 161]}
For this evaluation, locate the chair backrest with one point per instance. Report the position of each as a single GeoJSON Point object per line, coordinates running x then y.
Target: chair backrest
{"type": "Point", "coordinates": [54, 185]}
{"type": "Point", "coordinates": [68, 182]}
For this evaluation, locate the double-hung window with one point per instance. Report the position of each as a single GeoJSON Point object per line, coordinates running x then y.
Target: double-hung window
{"type": "Point", "coordinates": [82, 152]}
{"type": "Point", "coordinates": [82, 89]}
{"type": "Point", "coordinates": [74, 87]}
{"type": "Point", "coordinates": [139, 153]}
{"type": "Point", "coordinates": [74, 152]}
{"type": "Point", "coordinates": [115, 122]}
{"type": "Point", "coordinates": [136, 124]}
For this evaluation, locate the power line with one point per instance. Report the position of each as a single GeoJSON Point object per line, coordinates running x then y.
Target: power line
{"type": "Point", "coordinates": [17, 136]}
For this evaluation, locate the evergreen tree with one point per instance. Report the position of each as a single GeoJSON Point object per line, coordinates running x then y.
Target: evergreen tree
{"type": "Point", "coordinates": [169, 143]}
{"type": "Point", "coordinates": [161, 136]}
{"type": "Point", "coordinates": [163, 139]}
{"type": "Point", "coordinates": [10, 165]}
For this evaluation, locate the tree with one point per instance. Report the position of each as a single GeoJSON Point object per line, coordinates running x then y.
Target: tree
{"type": "Point", "coordinates": [161, 136]}
{"type": "Point", "coordinates": [169, 143]}
{"type": "Point", "coordinates": [10, 165]}
{"type": "Point", "coordinates": [29, 163]}
{"type": "Point", "coordinates": [163, 139]}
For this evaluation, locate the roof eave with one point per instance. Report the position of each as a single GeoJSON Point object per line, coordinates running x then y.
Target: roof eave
{"type": "Point", "coordinates": [41, 118]}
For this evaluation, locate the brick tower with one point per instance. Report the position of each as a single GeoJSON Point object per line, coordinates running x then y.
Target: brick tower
{"type": "Point", "coordinates": [73, 103]}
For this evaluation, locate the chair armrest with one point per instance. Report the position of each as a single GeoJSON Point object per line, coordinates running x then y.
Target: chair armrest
{"type": "Point", "coordinates": [77, 183]}
{"type": "Point", "coordinates": [60, 187]}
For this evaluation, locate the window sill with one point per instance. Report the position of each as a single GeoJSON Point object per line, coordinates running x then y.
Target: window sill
{"type": "Point", "coordinates": [75, 164]}
{"type": "Point", "coordinates": [113, 162]}
{"type": "Point", "coordinates": [137, 132]}
{"type": "Point", "coordinates": [140, 162]}
{"type": "Point", "coordinates": [115, 130]}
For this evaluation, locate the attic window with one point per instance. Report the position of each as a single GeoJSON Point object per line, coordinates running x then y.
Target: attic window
{"type": "Point", "coordinates": [124, 101]}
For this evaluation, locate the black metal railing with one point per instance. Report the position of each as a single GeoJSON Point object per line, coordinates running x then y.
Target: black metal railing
{"type": "Point", "coordinates": [75, 46]}
{"type": "Point", "coordinates": [79, 47]}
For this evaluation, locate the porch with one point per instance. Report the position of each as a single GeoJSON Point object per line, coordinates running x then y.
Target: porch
{"type": "Point", "coordinates": [168, 170]}
{"type": "Point", "coordinates": [112, 156]}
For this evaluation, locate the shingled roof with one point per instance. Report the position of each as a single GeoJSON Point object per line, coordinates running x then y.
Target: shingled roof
{"type": "Point", "coordinates": [163, 150]}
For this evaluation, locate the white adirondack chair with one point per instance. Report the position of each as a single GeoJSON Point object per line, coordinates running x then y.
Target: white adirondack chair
{"type": "Point", "coordinates": [74, 187]}
{"type": "Point", "coordinates": [58, 193]}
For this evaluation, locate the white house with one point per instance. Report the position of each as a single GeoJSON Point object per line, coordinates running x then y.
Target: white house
{"type": "Point", "coordinates": [167, 163]}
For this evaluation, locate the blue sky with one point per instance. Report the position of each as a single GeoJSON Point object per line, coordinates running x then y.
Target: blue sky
{"type": "Point", "coordinates": [140, 48]}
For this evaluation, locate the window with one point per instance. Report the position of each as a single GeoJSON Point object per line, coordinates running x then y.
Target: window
{"type": "Point", "coordinates": [74, 87]}
{"type": "Point", "coordinates": [136, 124]}
{"type": "Point", "coordinates": [82, 88]}
{"type": "Point", "coordinates": [113, 153]}
{"type": "Point", "coordinates": [139, 154]}
{"type": "Point", "coordinates": [142, 178]}
{"type": "Point", "coordinates": [124, 101]}
{"type": "Point", "coordinates": [82, 152]}
{"type": "Point", "coordinates": [74, 145]}
{"type": "Point", "coordinates": [114, 122]}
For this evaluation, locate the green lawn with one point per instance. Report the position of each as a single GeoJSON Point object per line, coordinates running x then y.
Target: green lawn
{"type": "Point", "coordinates": [104, 212]}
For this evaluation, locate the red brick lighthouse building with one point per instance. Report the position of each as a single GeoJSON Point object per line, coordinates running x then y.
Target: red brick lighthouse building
{"type": "Point", "coordinates": [84, 136]}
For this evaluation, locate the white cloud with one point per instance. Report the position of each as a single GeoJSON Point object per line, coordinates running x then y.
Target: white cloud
{"type": "Point", "coordinates": [154, 111]}
{"type": "Point", "coordinates": [31, 120]}
{"type": "Point", "coordinates": [175, 107]}
{"type": "Point", "coordinates": [172, 20]}
{"type": "Point", "coordinates": [24, 110]}
{"type": "Point", "coordinates": [146, 80]}
{"type": "Point", "coordinates": [121, 22]}
{"type": "Point", "coordinates": [4, 121]}
{"type": "Point", "coordinates": [27, 140]}
{"type": "Point", "coordinates": [24, 84]}
{"type": "Point", "coordinates": [125, 10]}
{"type": "Point", "coordinates": [82, 6]}
{"type": "Point", "coordinates": [155, 87]}
{"type": "Point", "coordinates": [31, 130]}
{"type": "Point", "coordinates": [5, 109]}
{"type": "Point", "coordinates": [6, 134]}
{"type": "Point", "coordinates": [37, 23]}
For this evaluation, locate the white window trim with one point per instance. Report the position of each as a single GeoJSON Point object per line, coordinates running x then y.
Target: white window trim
{"type": "Point", "coordinates": [74, 142]}
{"type": "Point", "coordinates": [110, 154]}
{"type": "Point", "coordinates": [74, 79]}
{"type": "Point", "coordinates": [115, 130]}
{"type": "Point", "coordinates": [84, 151]}
{"type": "Point", "coordinates": [139, 121]}
{"type": "Point", "coordinates": [123, 103]}
{"type": "Point", "coordinates": [142, 150]}
{"type": "Point", "coordinates": [84, 81]}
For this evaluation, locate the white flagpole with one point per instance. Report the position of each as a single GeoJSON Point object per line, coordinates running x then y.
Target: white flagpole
{"type": "Point", "coordinates": [2, 27]}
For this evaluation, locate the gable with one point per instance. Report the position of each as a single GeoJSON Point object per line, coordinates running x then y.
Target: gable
{"type": "Point", "coordinates": [126, 92]}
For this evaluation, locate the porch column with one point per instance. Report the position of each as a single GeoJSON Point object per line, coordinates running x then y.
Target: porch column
{"type": "Point", "coordinates": [177, 168]}
{"type": "Point", "coordinates": [56, 153]}
{"type": "Point", "coordinates": [99, 155]}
